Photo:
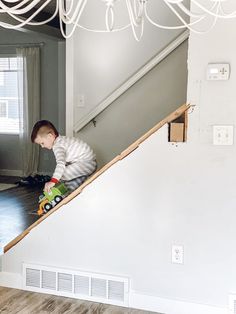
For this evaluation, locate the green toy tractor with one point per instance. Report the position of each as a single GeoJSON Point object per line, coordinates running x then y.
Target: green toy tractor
{"type": "Point", "coordinates": [48, 200]}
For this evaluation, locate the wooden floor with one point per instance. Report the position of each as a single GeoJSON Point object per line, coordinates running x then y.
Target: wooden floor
{"type": "Point", "coordinates": [14, 301]}
{"type": "Point", "coordinates": [16, 210]}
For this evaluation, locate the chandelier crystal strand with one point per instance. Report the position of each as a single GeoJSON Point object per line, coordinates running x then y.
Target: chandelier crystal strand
{"type": "Point", "coordinates": [200, 18]}
{"type": "Point", "coordinates": [109, 20]}
{"type": "Point", "coordinates": [13, 1]}
{"type": "Point", "coordinates": [18, 11]}
{"type": "Point", "coordinates": [109, 16]}
{"type": "Point", "coordinates": [70, 8]}
{"type": "Point", "coordinates": [227, 15]}
{"type": "Point", "coordinates": [136, 23]}
{"type": "Point", "coordinates": [136, 18]}
{"type": "Point", "coordinates": [22, 3]}
{"type": "Point", "coordinates": [28, 20]}
{"type": "Point", "coordinates": [187, 25]}
{"type": "Point", "coordinates": [31, 17]}
{"type": "Point", "coordinates": [169, 27]}
{"type": "Point", "coordinates": [109, 25]}
{"type": "Point", "coordinates": [184, 23]}
{"type": "Point", "coordinates": [210, 12]}
{"type": "Point", "coordinates": [67, 20]}
{"type": "Point", "coordinates": [190, 13]}
{"type": "Point", "coordinates": [70, 12]}
{"type": "Point", "coordinates": [66, 14]}
{"type": "Point", "coordinates": [140, 5]}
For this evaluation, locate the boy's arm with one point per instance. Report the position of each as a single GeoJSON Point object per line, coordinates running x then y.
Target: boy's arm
{"type": "Point", "coordinates": [60, 156]}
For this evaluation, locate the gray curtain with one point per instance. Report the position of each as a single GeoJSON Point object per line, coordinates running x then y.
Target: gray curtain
{"type": "Point", "coordinates": [29, 105]}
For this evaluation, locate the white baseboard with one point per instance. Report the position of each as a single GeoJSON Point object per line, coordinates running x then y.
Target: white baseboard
{"type": "Point", "coordinates": [11, 280]}
{"type": "Point", "coordinates": [137, 300]}
{"type": "Point", "coordinates": [11, 173]}
{"type": "Point", "coordinates": [170, 306]}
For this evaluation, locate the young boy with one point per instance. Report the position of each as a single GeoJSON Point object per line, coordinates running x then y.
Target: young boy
{"type": "Point", "coordinates": [75, 160]}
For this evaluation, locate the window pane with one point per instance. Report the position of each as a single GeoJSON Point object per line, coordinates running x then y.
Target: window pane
{"type": "Point", "coordinates": [1, 78]}
{"type": "Point", "coordinates": [10, 88]}
{"type": "Point", "coordinates": [3, 109]}
{"type": "Point", "coordinates": [9, 102]}
{"type": "Point", "coordinates": [13, 63]}
{"type": "Point", "coordinates": [4, 64]}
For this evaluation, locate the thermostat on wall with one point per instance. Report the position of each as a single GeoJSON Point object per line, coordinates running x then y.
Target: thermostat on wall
{"type": "Point", "coordinates": [218, 71]}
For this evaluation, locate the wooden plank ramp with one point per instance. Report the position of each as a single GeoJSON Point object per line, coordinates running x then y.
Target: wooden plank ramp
{"type": "Point", "coordinates": [171, 117]}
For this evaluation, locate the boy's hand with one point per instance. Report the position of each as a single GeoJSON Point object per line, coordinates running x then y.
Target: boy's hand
{"type": "Point", "coordinates": [48, 186]}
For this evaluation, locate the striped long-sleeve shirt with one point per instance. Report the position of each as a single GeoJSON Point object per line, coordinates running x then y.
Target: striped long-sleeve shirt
{"type": "Point", "coordinates": [68, 150]}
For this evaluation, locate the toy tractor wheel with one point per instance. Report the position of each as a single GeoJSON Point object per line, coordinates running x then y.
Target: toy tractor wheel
{"type": "Point", "coordinates": [47, 207]}
{"type": "Point", "coordinates": [58, 198]}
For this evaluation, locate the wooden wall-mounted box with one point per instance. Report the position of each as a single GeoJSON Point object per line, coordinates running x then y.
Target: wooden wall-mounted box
{"type": "Point", "coordinates": [176, 132]}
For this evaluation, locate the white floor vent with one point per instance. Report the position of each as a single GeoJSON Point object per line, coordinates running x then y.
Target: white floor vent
{"type": "Point", "coordinates": [232, 304]}
{"type": "Point", "coordinates": [76, 284]}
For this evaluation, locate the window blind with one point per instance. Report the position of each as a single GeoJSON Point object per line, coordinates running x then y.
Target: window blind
{"type": "Point", "coordinates": [9, 96]}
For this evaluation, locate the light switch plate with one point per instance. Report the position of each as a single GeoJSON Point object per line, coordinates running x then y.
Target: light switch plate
{"type": "Point", "coordinates": [81, 101]}
{"type": "Point", "coordinates": [177, 256]}
{"type": "Point", "coordinates": [223, 135]}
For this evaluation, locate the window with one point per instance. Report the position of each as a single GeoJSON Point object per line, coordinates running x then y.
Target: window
{"type": "Point", "coordinates": [4, 108]}
{"type": "Point", "coordinates": [9, 99]}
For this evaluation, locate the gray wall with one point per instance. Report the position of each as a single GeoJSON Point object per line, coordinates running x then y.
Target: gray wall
{"type": "Point", "coordinates": [52, 94]}
{"type": "Point", "coordinates": [147, 102]}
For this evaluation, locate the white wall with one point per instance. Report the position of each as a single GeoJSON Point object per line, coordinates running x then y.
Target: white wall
{"type": "Point", "coordinates": [102, 62]}
{"type": "Point", "coordinates": [125, 222]}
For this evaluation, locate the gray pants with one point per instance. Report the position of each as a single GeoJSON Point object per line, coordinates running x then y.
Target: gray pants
{"type": "Point", "coordinates": [75, 183]}
{"type": "Point", "coordinates": [76, 173]}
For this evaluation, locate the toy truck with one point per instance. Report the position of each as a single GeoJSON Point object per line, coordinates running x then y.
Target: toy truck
{"type": "Point", "coordinates": [48, 200]}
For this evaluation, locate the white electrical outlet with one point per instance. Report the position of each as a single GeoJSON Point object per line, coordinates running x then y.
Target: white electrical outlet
{"type": "Point", "coordinates": [223, 134]}
{"type": "Point", "coordinates": [177, 254]}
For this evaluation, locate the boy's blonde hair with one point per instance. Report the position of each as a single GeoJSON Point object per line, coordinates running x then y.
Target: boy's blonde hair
{"type": "Point", "coordinates": [42, 128]}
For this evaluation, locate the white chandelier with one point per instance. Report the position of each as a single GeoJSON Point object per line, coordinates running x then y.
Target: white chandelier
{"type": "Point", "coordinates": [70, 12]}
